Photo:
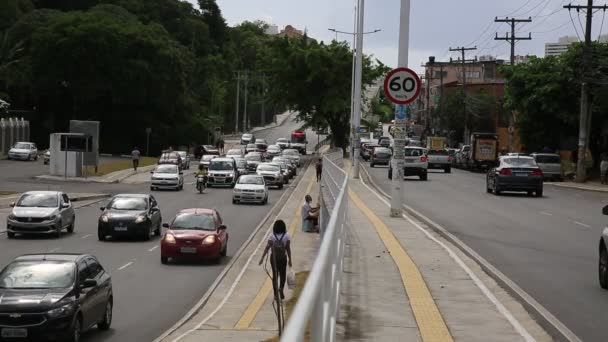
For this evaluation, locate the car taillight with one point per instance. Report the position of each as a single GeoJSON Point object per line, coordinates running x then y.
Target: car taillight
{"type": "Point", "coordinates": [505, 172]}
{"type": "Point", "coordinates": [424, 159]}
{"type": "Point", "coordinates": [450, 159]}
{"type": "Point", "coordinates": [537, 172]}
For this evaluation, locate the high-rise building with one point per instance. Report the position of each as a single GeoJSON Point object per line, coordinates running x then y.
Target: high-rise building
{"type": "Point", "coordinates": [272, 30]}
{"type": "Point", "coordinates": [562, 45]}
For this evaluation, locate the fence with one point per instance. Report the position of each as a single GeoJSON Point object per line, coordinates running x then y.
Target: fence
{"type": "Point", "coordinates": [11, 131]}
{"type": "Point", "coordinates": [319, 301]}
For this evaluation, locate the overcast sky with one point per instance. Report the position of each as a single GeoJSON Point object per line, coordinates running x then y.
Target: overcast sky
{"type": "Point", "coordinates": [436, 25]}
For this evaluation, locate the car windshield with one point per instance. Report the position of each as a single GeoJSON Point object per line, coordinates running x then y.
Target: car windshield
{"type": "Point", "coordinates": [548, 159]}
{"type": "Point", "coordinates": [414, 152]}
{"type": "Point", "coordinates": [193, 222]}
{"type": "Point", "coordinates": [382, 151]}
{"type": "Point", "coordinates": [251, 146]}
{"type": "Point", "coordinates": [282, 140]}
{"type": "Point", "coordinates": [291, 153]}
{"type": "Point", "coordinates": [273, 168]}
{"type": "Point", "coordinates": [182, 154]}
{"type": "Point", "coordinates": [166, 169]}
{"type": "Point", "coordinates": [234, 152]}
{"type": "Point", "coordinates": [253, 157]}
{"type": "Point", "coordinates": [438, 152]}
{"type": "Point", "coordinates": [241, 162]}
{"type": "Point", "coordinates": [209, 147]}
{"type": "Point", "coordinates": [128, 203]}
{"type": "Point", "coordinates": [38, 275]}
{"type": "Point", "coordinates": [23, 146]}
{"type": "Point", "coordinates": [221, 165]}
{"type": "Point", "coordinates": [39, 200]}
{"type": "Point", "coordinates": [519, 162]}
{"type": "Point", "coordinates": [274, 148]}
{"type": "Point", "coordinates": [251, 180]}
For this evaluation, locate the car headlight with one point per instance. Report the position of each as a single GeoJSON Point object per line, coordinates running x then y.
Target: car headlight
{"type": "Point", "coordinates": [169, 238]}
{"type": "Point", "coordinates": [104, 218]}
{"type": "Point", "coordinates": [62, 311]}
{"type": "Point", "coordinates": [259, 191]}
{"type": "Point", "coordinates": [140, 219]}
{"type": "Point", "coordinates": [12, 217]}
{"type": "Point", "coordinates": [236, 190]}
{"type": "Point", "coordinates": [50, 218]}
{"type": "Point", "coordinates": [209, 240]}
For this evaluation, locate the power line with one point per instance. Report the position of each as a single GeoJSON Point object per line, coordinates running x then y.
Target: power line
{"type": "Point", "coordinates": [574, 25]}
{"type": "Point", "coordinates": [602, 26]}
{"type": "Point", "coordinates": [553, 29]}
{"type": "Point", "coordinates": [520, 7]}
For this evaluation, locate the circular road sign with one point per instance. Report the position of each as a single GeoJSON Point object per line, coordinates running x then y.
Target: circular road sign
{"type": "Point", "coordinates": [402, 86]}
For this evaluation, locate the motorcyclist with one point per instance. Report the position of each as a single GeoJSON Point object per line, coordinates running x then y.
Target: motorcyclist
{"type": "Point", "coordinates": [202, 171]}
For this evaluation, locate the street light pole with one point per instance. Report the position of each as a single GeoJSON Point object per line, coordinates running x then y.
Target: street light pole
{"type": "Point", "coordinates": [358, 79]}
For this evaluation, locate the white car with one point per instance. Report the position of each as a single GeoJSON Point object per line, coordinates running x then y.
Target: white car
{"type": "Point", "coordinates": [167, 176]}
{"type": "Point", "coordinates": [206, 159]}
{"type": "Point", "coordinates": [41, 212]}
{"type": "Point", "coordinates": [234, 153]}
{"type": "Point", "coordinates": [185, 160]}
{"type": "Point", "coordinates": [283, 143]}
{"type": "Point", "coordinates": [47, 157]}
{"type": "Point", "coordinates": [247, 138]}
{"type": "Point", "coordinates": [294, 155]}
{"type": "Point", "coordinates": [23, 151]}
{"type": "Point", "coordinates": [272, 174]}
{"type": "Point", "coordinates": [250, 189]}
{"type": "Point", "coordinates": [416, 163]}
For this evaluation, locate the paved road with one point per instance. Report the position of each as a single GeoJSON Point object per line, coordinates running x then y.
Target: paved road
{"type": "Point", "coordinates": [548, 245]}
{"type": "Point", "coordinates": [150, 297]}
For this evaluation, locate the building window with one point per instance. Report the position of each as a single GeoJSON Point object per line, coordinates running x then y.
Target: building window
{"type": "Point", "coordinates": [472, 74]}
{"type": "Point", "coordinates": [439, 74]}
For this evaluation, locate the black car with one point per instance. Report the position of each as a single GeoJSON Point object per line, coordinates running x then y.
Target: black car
{"type": "Point", "coordinates": [380, 156]}
{"type": "Point", "coordinates": [130, 215]}
{"type": "Point", "coordinates": [515, 173]}
{"type": "Point", "coordinates": [204, 150]}
{"type": "Point", "coordinates": [54, 297]}
{"type": "Point", "coordinates": [384, 141]}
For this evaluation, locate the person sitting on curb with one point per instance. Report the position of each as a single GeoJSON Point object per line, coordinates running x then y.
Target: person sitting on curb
{"type": "Point", "coordinates": [310, 216]}
{"type": "Point", "coordinates": [279, 243]}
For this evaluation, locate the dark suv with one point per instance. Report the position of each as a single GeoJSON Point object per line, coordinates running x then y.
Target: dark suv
{"type": "Point", "coordinates": [54, 296]}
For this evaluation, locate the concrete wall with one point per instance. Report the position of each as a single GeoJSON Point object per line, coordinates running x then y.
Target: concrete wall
{"type": "Point", "coordinates": [58, 159]}
{"type": "Point", "coordinates": [12, 130]}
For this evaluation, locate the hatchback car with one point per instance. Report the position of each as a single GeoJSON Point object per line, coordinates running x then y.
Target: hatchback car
{"type": "Point", "coordinates": [283, 143]}
{"type": "Point", "coordinates": [41, 212]}
{"type": "Point", "coordinates": [250, 189]}
{"type": "Point", "coordinates": [54, 297]}
{"type": "Point", "coordinates": [272, 174]}
{"type": "Point", "coordinates": [515, 174]}
{"type": "Point", "coordinates": [134, 215]}
{"type": "Point", "coordinates": [273, 151]}
{"type": "Point", "coordinates": [23, 151]}
{"type": "Point", "coordinates": [222, 171]}
{"type": "Point", "coordinates": [285, 164]}
{"type": "Point", "coordinates": [167, 176]}
{"type": "Point", "coordinates": [550, 164]}
{"type": "Point", "coordinates": [294, 155]}
{"type": "Point", "coordinates": [194, 234]}
{"type": "Point", "coordinates": [253, 160]}
{"type": "Point", "coordinates": [416, 163]}
{"type": "Point", "coordinates": [251, 148]}
{"type": "Point", "coordinates": [380, 156]}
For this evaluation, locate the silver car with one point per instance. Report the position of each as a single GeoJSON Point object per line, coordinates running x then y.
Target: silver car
{"type": "Point", "coordinates": [294, 155]}
{"type": "Point", "coordinates": [206, 159]}
{"type": "Point", "coordinates": [185, 159]}
{"type": "Point", "coordinates": [234, 153]}
{"type": "Point", "coordinates": [222, 171]}
{"type": "Point", "coordinates": [272, 174]}
{"type": "Point", "coordinates": [23, 151]}
{"type": "Point", "coordinates": [550, 164]}
{"type": "Point", "coordinates": [283, 143]}
{"type": "Point", "coordinates": [167, 176]}
{"type": "Point", "coordinates": [250, 189]}
{"type": "Point", "coordinates": [41, 212]}
{"type": "Point", "coordinates": [416, 163]}
{"type": "Point", "coordinates": [273, 151]}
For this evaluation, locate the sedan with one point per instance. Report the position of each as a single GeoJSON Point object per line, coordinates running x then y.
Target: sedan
{"type": "Point", "coordinates": [41, 212]}
{"type": "Point", "coordinates": [288, 167]}
{"type": "Point", "coordinates": [273, 151]}
{"type": "Point", "coordinates": [194, 234]}
{"type": "Point", "coordinates": [23, 151]}
{"type": "Point", "coordinates": [130, 215]}
{"type": "Point", "coordinates": [250, 188]}
{"type": "Point", "coordinates": [253, 160]}
{"type": "Point", "coordinates": [380, 156]}
{"type": "Point", "coordinates": [167, 176]}
{"type": "Point", "coordinates": [54, 296]}
{"type": "Point", "coordinates": [515, 173]}
{"type": "Point", "coordinates": [247, 138]}
{"type": "Point", "coordinates": [251, 148]}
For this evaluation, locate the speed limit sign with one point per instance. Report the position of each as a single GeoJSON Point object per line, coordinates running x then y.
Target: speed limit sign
{"type": "Point", "coordinates": [402, 86]}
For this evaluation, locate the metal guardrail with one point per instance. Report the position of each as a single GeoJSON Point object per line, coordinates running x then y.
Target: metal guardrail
{"type": "Point", "coordinates": [319, 301]}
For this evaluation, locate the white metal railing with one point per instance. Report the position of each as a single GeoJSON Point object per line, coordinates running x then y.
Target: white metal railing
{"type": "Point", "coordinates": [319, 301]}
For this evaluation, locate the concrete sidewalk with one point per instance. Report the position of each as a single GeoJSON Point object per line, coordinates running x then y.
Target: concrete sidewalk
{"type": "Point", "coordinates": [240, 307]}
{"type": "Point", "coordinates": [588, 186]}
{"type": "Point", "coordinates": [113, 177]}
{"type": "Point", "coordinates": [403, 282]}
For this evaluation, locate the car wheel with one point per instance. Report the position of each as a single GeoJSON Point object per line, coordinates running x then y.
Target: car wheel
{"type": "Point", "coordinates": [152, 188]}
{"type": "Point", "coordinates": [280, 186]}
{"type": "Point", "coordinates": [10, 235]}
{"type": "Point", "coordinates": [101, 236]}
{"type": "Point", "coordinates": [224, 251]}
{"type": "Point", "coordinates": [164, 260]}
{"type": "Point", "coordinates": [71, 227]}
{"type": "Point", "coordinates": [603, 268]}
{"type": "Point", "coordinates": [57, 232]}
{"type": "Point", "coordinates": [234, 201]}
{"type": "Point", "coordinates": [371, 164]}
{"type": "Point", "coordinates": [539, 193]}
{"type": "Point", "coordinates": [488, 189]}
{"type": "Point", "coordinates": [35, 157]}
{"type": "Point", "coordinates": [158, 229]}
{"type": "Point", "coordinates": [424, 177]}
{"type": "Point", "coordinates": [146, 235]}
{"type": "Point", "coordinates": [76, 330]}
{"type": "Point", "coordinates": [448, 170]}
{"type": "Point", "coordinates": [496, 189]}
{"type": "Point", "coordinates": [390, 173]}
{"type": "Point", "coordinates": [106, 321]}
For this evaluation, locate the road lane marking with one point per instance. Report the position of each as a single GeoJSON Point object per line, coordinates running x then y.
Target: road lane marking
{"type": "Point", "coordinates": [86, 236]}
{"type": "Point", "coordinates": [546, 213]}
{"type": "Point", "coordinates": [582, 224]}
{"type": "Point", "coordinates": [430, 321]}
{"type": "Point", "coordinates": [125, 265]}
{"type": "Point", "coordinates": [484, 289]}
{"type": "Point", "coordinates": [153, 248]}
{"type": "Point", "coordinates": [256, 304]}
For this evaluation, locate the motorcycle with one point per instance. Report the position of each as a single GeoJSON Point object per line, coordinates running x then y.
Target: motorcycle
{"type": "Point", "coordinates": [201, 183]}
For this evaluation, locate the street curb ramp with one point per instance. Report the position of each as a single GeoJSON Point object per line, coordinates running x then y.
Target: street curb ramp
{"type": "Point", "coordinates": [547, 320]}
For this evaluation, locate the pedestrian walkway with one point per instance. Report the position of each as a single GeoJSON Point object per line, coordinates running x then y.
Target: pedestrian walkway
{"type": "Point", "coordinates": [403, 283]}
{"type": "Point", "coordinates": [240, 308]}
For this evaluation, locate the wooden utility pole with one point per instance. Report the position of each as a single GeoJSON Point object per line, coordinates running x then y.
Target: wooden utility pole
{"type": "Point", "coordinates": [463, 60]}
{"type": "Point", "coordinates": [238, 93]}
{"type": "Point", "coordinates": [585, 114]}
{"type": "Point", "coordinates": [245, 118]}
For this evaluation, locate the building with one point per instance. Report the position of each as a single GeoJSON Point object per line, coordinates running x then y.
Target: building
{"type": "Point", "coordinates": [290, 32]}
{"type": "Point", "coordinates": [272, 30]}
{"type": "Point", "coordinates": [562, 45]}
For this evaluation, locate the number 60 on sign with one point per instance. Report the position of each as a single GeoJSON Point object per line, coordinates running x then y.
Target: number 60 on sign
{"type": "Point", "coordinates": [402, 86]}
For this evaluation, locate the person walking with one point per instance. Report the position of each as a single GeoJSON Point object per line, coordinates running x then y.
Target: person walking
{"type": "Point", "coordinates": [319, 167]}
{"type": "Point", "coordinates": [221, 146]}
{"type": "Point", "coordinates": [279, 244]}
{"type": "Point", "coordinates": [135, 155]}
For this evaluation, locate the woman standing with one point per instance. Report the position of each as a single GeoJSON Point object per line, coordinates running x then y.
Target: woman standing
{"type": "Point", "coordinates": [279, 243]}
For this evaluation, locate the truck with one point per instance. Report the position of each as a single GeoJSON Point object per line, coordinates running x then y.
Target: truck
{"type": "Point", "coordinates": [298, 141]}
{"type": "Point", "coordinates": [435, 143]}
{"type": "Point", "coordinates": [484, 151]}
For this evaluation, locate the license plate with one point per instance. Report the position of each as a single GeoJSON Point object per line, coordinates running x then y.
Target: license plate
{"type": "Point", "coordinates": [220, 180]}
{"type": "Point", "coordinates": [188, 250]}
{"type": "Point", "coordinates": [521, 174]}
{"type": "Point", "coordinates": [164, 182]}
{"type": "Point", "coordinates": [120, 229]}
{"type": "Point", "coordinates": [247, 196]}
{"type": "Point", "coordinates": [14, 333]}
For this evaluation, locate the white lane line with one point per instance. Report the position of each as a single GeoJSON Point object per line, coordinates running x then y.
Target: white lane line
{"type": "Point", "coordinates": [582, 224]}
{"type": "Point", "coordinates": [125, 265]}
{"type": "Point", "coordinates": [153, 248]}
{"type": "Point", "coordinates": [54, 250]}
{"type": "Point", "coordinates": [190, 183]}
{"type": "Point", "coordinates": [546, 213]}
{"type": "Point", "coordinates": [86, 236]}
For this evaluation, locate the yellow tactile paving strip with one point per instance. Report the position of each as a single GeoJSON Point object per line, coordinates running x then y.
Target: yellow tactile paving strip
{"type": "Point", "coordinates": [430, 322]}
{"type": "Point", "coordinates": [256, 304]}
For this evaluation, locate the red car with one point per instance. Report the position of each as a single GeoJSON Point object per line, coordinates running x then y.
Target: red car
{"type": "Point", "coordinates": [194, 234]}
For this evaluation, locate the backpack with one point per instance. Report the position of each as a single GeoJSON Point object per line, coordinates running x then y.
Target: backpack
{"type": "Point", "coordinates": [279, 248]}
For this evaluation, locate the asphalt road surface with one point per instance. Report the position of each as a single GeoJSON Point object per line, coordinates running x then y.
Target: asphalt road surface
{"type": "Point", "coordinates": [151, 297]}
{"type": "Point", "coordinates": [548, 246]}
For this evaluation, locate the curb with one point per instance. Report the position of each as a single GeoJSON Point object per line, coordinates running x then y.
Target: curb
{"type": "Point", "coordinates": [565, 185]}
{"type": "Point", "coordinates": [203, 301]}
{"type": "Point", "coordinates": [554, 327]}
{"type": "Point", "coordinates": [73, 199]}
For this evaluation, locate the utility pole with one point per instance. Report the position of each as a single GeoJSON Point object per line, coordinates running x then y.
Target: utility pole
{"type": "Point", "coordinates": [463, 50]}
{"type": "Point", "coordinates": [245, 118]}
{"type": "Point", "coordinates": [585, 114]}
{"type": "Point", "coordinates": [358, 84]}
{"type": "Point", "coordinates": [263, 114]}
{"type": "Point", "coordinates": [238, 91]}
